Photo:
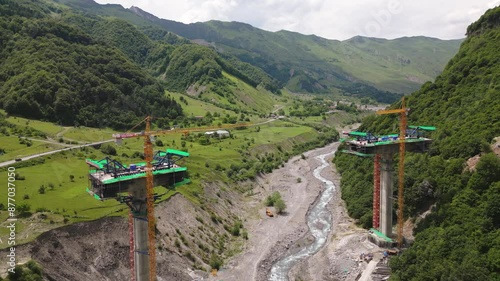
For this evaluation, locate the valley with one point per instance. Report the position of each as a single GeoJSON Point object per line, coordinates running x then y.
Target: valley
{"type": "Point", "coordinates": [270, 197]}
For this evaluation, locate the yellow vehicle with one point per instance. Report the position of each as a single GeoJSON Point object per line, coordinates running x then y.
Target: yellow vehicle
{"type": "Point", "coordinates": [269, 213]}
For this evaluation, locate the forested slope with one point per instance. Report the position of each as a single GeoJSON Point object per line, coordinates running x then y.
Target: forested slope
{"type": "Point", "coordinates": [73, 67]}
{"type": "Point", "coordinates": [52, 71]}
{"type": "Point", "coordinates": [358, 66]}
{"type": "Point", "coordinates": [460, 239]}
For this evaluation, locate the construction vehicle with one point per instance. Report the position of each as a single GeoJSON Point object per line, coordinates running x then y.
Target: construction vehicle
{"type": "Point", "coordinates": [269, 213]}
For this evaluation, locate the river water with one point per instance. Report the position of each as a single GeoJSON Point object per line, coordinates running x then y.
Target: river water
{"type": "Point", "coordinates": [319, 222]}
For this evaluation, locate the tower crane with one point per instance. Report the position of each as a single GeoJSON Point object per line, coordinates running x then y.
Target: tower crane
{"type": "Point", "coordinates": [140, 258]}
{"type": "Point", "coordinates": [403, 111]}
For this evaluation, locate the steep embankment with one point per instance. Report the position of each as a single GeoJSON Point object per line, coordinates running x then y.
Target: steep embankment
{"type": "Point", "coordinates": [98, 250]}
{"type": "Point", "coordinates": [460, 239]}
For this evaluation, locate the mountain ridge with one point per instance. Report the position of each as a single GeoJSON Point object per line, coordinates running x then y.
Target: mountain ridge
{"type": "Point", "coordinates": [329, 55]}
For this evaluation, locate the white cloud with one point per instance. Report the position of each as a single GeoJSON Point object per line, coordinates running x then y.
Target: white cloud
{"type": "Point", "coordinates": [333, 19]}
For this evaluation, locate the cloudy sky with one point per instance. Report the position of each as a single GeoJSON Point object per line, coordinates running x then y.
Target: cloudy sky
{"type": "Point", "coordinates": [332, 19]}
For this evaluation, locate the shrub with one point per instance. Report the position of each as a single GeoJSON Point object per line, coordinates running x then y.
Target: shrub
{"type": "Point", "coordinates": [42, 189]}
{"type": "Point", "coordinates": [280, 206]}
{"type": "Point", "coordinates": [215, 261]}
{"type": "Point", "coordinates": [271, 199]}
{"type": "Point", "coordinates": [108, 150]}
{"type": "Point", "coordinates": [23, 210]}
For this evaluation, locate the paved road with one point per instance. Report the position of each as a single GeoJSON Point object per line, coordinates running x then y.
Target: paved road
{"type": "Point", "coordinates": [7, 163]}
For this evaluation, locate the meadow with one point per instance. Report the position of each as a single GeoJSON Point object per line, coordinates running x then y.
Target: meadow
{"type": "Point", "coordinates": [54, 187]}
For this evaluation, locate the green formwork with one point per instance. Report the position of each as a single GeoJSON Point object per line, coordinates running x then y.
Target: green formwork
{"type": "Point", "coordinates": [357, 153]}
{"type": "Point", "coordinates": [143, 174]}
{"type": "Point", "coordinates": [381, 235]}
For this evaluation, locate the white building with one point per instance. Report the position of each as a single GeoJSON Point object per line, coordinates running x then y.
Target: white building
{"type": "Point", "coordinates": [219, 133]}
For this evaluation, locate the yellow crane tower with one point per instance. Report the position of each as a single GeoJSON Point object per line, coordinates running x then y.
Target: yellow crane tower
{"type": "Point", "coordinates": [139, 272]}
{"type": "Point", "coordinates": [403, 111]}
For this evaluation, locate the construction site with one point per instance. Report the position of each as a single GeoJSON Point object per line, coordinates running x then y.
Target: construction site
{"type": "Point", "coordinates": [109, 178]}
{"type": "Point", "coordinates": [383, 149]}
{"type": "Point", "coordinates": [133, 184]}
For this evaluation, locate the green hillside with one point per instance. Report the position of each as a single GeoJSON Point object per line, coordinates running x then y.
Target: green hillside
{"type": "Point", "coordinates": [77, 68]}
{"type": "Point", "coordinates": [53, 71]}
{"type": "Point", "coordinates": [363, 67]}
{"type": "Point", "coordinates": [150, 44]}
{"type": "Point", "coordinates": [460, 238]}
{"type": "Point", "coordinates": [314, 64]}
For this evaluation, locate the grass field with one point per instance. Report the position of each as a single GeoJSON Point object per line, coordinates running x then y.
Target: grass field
{"type": "Point", "coordinates": [50, 129]}
{"type": "Point", "coordinates": [197, 107]}
{"type": "Point", "coordinates": [86, 134]}
{"type": "Point", "coordinates": [14, 149]}
{"type": "Point", "coordinates": [242, 98]}
{"type": "Point", "coordinates": [65, 198]}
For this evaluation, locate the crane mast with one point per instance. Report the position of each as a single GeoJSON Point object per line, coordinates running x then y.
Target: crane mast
{"type": "Point", "coordinates": [402, 130]}
{"type": "Point", "coordinates": [148, 156]}
{"type": "Point", "coordinates": [142, 220]}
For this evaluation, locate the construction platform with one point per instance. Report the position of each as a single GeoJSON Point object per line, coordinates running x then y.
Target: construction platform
{"type": "Point", "coordinates": [108, 178]}
{"type": "Point", "coordinates": [368, 145]}
{"type": "Point", "coordinates": [383, 148]}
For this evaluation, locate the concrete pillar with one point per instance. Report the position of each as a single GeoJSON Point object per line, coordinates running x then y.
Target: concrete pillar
{"type": "Point", "coordinates": [141, 249]}
{"type": "Point", "coordinates": [141, 257]}
{"type": "Point", "coordinates": [386, 182]}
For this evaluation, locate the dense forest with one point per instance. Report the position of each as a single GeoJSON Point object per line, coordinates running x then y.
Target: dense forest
{"type": "Point", "coordinates": [53, 71]}
{"type": "Point", "coordinates": [460, 238]}
{"type": "Point", "coordinates": [61, 65]}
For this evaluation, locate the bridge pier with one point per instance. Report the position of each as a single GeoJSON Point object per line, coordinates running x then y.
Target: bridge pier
{"type": "Point", "coordinates": [386, 183]}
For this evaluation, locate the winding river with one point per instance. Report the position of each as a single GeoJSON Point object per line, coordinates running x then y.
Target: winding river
{"type": "Point", "coordinates": [319, 221]}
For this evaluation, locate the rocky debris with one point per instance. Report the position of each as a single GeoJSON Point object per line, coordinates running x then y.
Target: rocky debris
{"type": "Point", "coordinates": [471, 163]}
{"type": "Point", "coordinates": [286, 246]}
{"type": "Point", "coordinates": [382, 270]}
{"type": "Point", "coordinates": [339, 259]}
{"type": "Point", "coordinates": [99, 250]}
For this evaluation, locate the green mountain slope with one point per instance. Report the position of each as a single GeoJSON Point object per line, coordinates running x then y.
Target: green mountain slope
{"type": "Point", "coordinates": [78, 68]}
{"type": "Point", "coordinates": [53, 71]}
{"type": "Point", "coordinates": [460, 238]}
{"type": "Point", "coordinates": [311, 63]}
{"type": "Point", "coordinates": [363, 67]}
{"type": "Point", "coordinates": [149, 44]}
